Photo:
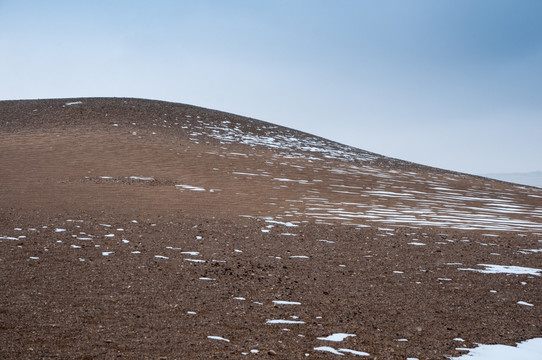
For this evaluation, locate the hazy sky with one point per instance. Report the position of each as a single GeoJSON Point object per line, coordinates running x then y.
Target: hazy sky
{"type": "Point", "coordinates": [455, 84]}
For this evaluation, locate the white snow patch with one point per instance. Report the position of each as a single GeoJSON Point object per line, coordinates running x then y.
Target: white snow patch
{"type": "Point", "coordinates": [190, 187]}
{"type": "Point", "coordinates": [141, 178]}
{"type": "Point", "coordinates": [287, 224]}
{"type": "Point", "coordinates": [218, 338]}
{"type": "Point", "coordinates": [195, 260]}
{"type": "Point", "coordinates": [354, 352]}
{"type": "Point", "coordinates": [328, 349]}
{"type": "Point", "coordinates": [335, 337]}
{"type": "Point", "coordinates": [283, 302]}
{"type": "Point", "coordinates": [530, 251]}
{"type": "Point", "coordinates": [527, 350]}
{"type": "Point", "coordinates": [524, 303]}
{"type": "Point", "coordinates": [340, 351]}
{"type": "Point", "coordinates": [282, 321]}
{"type": "Point", "coordinates": [504, 269]}
{"type": "Point", "coordinates": [192, 253]}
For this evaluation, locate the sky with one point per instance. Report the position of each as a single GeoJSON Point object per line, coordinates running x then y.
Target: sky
{"type": "Point", "coordinates": [455, 84]}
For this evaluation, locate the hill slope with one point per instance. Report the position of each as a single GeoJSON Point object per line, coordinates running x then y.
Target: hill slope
{"type": "Point", "coordinates": [138, 228]}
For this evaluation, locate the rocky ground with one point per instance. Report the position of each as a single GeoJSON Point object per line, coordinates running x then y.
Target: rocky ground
{"type": "Point", "coordinates": [142, 229]}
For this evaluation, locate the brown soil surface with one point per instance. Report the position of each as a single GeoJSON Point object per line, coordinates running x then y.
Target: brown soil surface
{"type": "Point", "coordinates": [137, 229]}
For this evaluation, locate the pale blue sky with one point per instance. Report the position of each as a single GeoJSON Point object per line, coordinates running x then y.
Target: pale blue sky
{"type": "Point", "coordinates": [455, 84]}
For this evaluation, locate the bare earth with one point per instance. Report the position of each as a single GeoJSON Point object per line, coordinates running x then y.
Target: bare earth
{"type": "Point", "coordinates": [141, 229]}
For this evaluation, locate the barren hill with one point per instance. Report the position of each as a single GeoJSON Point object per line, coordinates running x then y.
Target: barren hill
{"type": "Point", "coordinates": [143, 229]}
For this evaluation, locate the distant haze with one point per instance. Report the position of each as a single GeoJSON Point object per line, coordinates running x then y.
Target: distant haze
{"type": "Point", "coordinates": [452, 84]}
{"type": "Point", "coordinates": [532, 178]}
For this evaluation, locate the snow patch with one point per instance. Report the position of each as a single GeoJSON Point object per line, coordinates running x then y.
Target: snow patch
{"type": "Point", "coordinates": [219, 338]}
{"type": "Point", "coordinates": [282, 302]}
{"type": "Point", "coordinates": [340, 351]}
{"type": "Point", "coordinates": [336, 337]}
{"type": "Point", "coordinates": [141, 178]}
{"type": "Point", "coordinates": [190, 187]}
{"type": "Point", "coordinates": [527, 350]}
{"type": "Point", "coordinates": [282, 321]}
{"type": "Point", "coordinates": [504, 269]}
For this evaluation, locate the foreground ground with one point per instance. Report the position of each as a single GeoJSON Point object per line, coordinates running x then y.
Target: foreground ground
{"type": "Point", "coordinates": [140, 229]}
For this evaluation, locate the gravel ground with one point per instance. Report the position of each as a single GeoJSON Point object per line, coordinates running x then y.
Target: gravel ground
{"type": "Point", "coordinates": [142, 229]}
